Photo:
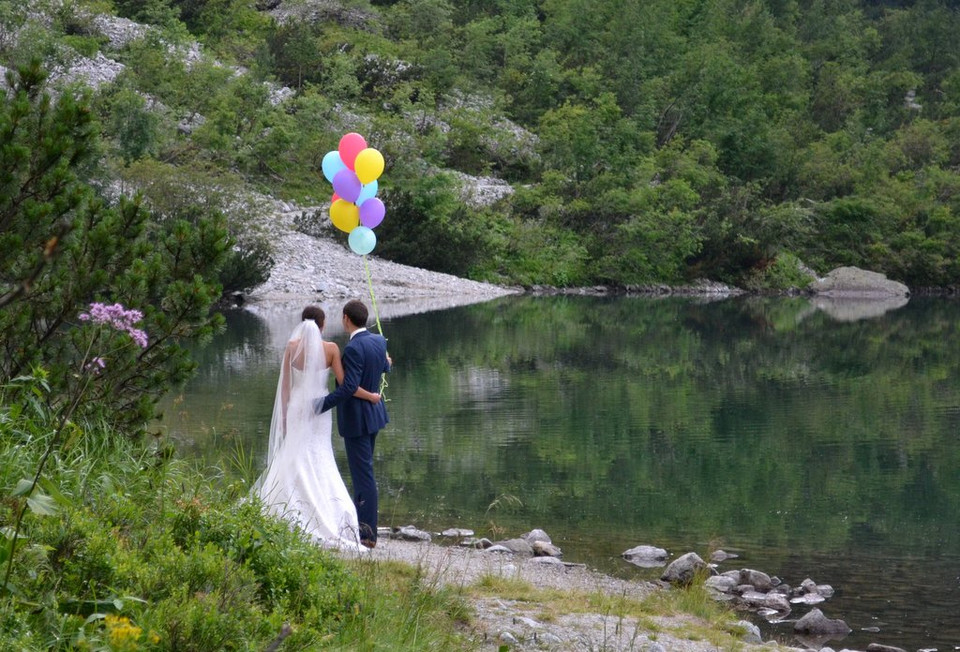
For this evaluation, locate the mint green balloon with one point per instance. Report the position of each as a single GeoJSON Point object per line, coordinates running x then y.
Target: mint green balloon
{"type": "Point", "coordinates": [362, 240]}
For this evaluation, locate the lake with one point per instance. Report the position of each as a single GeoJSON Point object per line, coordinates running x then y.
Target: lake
{"type": "Point", "coordinates": [813, 440]}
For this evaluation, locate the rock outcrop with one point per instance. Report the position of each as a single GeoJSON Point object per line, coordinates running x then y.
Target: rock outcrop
{"type": "Point", "coordinates": [854, 282]}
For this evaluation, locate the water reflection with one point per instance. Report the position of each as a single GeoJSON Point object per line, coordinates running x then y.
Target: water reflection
{"type": "Point", "coordinates": [853, 309]}
{"type": "Point", "coordinates": [812, 446]}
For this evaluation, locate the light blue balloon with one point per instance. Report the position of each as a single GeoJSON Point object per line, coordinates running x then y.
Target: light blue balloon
{"type": "Point", "coordinates": [362, 240]}
{"type": "Point", "coordinates": [331, 165]}
{"type": "Point", "coordinates": [369, 191]}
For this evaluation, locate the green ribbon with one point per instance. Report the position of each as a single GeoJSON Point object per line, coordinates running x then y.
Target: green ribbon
{"type": "Point", "coordinates": [376, 315]}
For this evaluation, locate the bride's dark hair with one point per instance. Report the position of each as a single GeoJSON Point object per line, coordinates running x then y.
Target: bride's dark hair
{"type": "Point", "coordinates": [315, 313]}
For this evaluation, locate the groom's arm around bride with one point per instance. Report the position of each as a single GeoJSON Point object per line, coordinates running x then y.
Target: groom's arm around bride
{"type": "Point", "coordinates": [365, 360]}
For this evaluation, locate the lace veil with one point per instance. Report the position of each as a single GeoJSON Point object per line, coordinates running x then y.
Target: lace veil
{"type": "Point", "coordinates": [300, 382]}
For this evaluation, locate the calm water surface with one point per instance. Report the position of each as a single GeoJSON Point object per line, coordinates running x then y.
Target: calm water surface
{"type": "Point", "coordinates": [809, 441]}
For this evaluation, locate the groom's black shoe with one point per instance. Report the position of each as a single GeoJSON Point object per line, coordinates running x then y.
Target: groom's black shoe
{"type": "Point", "coordinates": [369, 543]}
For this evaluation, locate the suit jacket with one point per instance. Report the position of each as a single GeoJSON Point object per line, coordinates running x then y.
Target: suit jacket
{"type": "Point", "coordinates": [364, 360]}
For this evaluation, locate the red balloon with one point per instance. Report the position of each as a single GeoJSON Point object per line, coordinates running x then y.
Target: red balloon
{"type": "Point", "coordinates": [350, 145]}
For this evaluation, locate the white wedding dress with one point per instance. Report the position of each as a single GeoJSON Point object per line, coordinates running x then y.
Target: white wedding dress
{"type": "Point", "coordinates": [302, 483]}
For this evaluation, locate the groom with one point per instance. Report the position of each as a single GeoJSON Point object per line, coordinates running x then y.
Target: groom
{"type": "Point", "coordinates": [364, 360]}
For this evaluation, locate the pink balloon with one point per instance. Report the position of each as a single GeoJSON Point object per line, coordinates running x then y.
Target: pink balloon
{"type": "Point", "coordinates": [334, 198]}
{"type": "Point", "coordinates": [350, 145]}
{"type": "Point", "coordinates": [372, 212]}
{"type": "Point", "coordinates": [347, 185]}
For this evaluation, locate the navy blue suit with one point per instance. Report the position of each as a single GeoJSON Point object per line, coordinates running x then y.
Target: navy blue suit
{"type": "Point", "coordinates": [359, 421]}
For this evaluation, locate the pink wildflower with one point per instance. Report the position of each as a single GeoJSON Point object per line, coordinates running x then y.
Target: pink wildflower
{"type": "Point", "coordinates": [118, 318]}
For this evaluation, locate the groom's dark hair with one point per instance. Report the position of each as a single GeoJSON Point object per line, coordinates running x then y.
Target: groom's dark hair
{"type": "Point", "coordinates": [356, 312]}
{"type": "Point", "coordinates": [315, 313]}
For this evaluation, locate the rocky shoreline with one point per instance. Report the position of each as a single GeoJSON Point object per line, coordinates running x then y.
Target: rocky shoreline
{"type": "Point", "coordinates": [500, 621]}
{"type": "Point", "coordinates": [456, 559]}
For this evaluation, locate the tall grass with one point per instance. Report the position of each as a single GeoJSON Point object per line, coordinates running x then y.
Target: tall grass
{"type": "Point", "coordinates": [136, 549]}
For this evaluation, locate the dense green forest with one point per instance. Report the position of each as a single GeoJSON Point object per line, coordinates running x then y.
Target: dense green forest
{"type": "Point", "coordinates": [656, 141]}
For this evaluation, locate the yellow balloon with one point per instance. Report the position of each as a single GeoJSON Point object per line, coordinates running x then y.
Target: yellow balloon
{"type": "Point", "coordinates": [369, 165]}
{"type": "Point", "coordinates": [345, 215]}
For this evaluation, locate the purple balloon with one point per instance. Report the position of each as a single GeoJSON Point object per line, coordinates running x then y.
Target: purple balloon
{"type": "Point", "coordinates": [347, 185]}
{"type": "Point", "coordinates": [372, 212]}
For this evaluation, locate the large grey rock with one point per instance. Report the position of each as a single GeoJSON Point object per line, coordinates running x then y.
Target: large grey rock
{"type": "Point", "coordinates": [410, 533]}
{"type": "Point", "coordinates": [544, 549]}
{"type": "Point", "coordinates": [816, 624]}
{"type": "Point", "coordinates": [774, 601]}
{"type": "Point", "coordinates": [757, 579]}
{"type": "Point", "coordinates": [536, 535]}
{"type": "Point", "coordinates": [718, 556]}
{"type": "Point", "coordinates": [646, 556]}
{"type": "Point", "coordinates": [721, 583]}
{"type": "Point", "coordinates": [519, 546]}
{"type": "Point", "coordinates": [684, 569]}
{"type": "Point", "coordinates": [808, 598]}
{"type": "Point", "coordinates": [860, 283]}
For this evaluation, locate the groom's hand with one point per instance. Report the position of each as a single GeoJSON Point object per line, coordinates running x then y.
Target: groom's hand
{"type": "Point", "coordinates": [318, 406]}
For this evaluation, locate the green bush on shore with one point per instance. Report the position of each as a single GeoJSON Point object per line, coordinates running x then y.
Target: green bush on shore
{"type": "Point", "coordinates": [126, 547]}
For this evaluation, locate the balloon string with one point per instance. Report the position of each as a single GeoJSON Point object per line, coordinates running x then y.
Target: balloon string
{"type": "Point", "coordinates": [376, 314]}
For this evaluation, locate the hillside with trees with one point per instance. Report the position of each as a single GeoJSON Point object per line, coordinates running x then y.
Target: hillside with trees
{"type": "Point", "coordinates": [655, 141]}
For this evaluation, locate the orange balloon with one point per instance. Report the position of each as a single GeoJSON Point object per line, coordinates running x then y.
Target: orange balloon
{"type": "Point", "coordinates": [345, 215]}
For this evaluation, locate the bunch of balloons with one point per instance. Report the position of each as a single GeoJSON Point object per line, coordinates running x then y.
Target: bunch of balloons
{"type": "Point", "coordinates": [353, 169]}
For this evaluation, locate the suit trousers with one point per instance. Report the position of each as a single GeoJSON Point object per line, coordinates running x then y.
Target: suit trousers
{"type": "Point", "coordinates": [365, 496]}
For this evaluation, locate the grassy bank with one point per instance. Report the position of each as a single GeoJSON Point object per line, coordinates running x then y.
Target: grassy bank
{"type": "Point", "coordinates": [124, 546]}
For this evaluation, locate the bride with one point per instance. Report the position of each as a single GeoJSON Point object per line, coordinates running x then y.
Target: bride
{"type": "Point", "coordinates": [302, 482]}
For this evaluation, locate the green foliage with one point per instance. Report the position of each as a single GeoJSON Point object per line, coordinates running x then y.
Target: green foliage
{"type": "Point", "coordinates": [786, 272]}
{"type": "Point", "coordinates": [186, 195]}
{"type": "Point", "coordinates": [133, 127]}
{"type": "Point", "coordinates": [801, 106]}
{"type": "Point", "coordinates": [63, 248]}
{"type": "Point", "coordinates": [153, 12]}
{"type": "Point", "coordinates": [428, 226]}
{"type": "Point", "coordinates": [194, 573]}
{"type": "Point", "coordinates": [537, 253]}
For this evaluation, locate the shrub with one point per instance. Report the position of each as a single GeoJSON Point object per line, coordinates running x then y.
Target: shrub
{"type": "Point", "coordinates": [429, 227]}
{"type": "Point", "coordinates": [142, 552]}
{"type": "Point", "coordinates": [62, 248]}
{"type": "Point", "coordinates": [785, 272]}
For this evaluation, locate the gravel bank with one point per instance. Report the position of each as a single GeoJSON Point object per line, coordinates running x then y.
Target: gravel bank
{"type": "Point", "coordinates": [309, 269]}
{"type": "Point", "coordinates": [521, 624]}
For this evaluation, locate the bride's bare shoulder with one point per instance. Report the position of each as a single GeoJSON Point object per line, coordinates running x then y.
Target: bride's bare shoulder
{"type": "Point", "coordinates": [332, 351]}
